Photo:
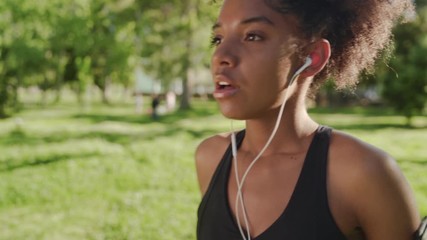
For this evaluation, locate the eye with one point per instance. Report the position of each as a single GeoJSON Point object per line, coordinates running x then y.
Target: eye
{"type": "Point", "coordinates": [253, 37]}
{"type": "Point", "coordinates": [215, 40]}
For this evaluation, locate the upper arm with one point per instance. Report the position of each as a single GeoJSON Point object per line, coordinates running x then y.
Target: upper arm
{"type": "Point", "coordinates": [387, 208]}
{"type": "Point", "coordinates": [208, 155]}
{"type": "Point", "coordinates": [377, 192]}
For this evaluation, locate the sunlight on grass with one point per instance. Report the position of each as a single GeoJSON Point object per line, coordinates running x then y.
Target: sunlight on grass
{"type": "Point", "coordinates": [108, 173]}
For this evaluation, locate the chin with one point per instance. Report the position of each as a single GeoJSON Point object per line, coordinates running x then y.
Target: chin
{"type": "Point", "coordinates": [234, 114]}
{"type": "Point", "coordinates": [234, 117]}
{"type": "Point", "coordinates": [231, 113]}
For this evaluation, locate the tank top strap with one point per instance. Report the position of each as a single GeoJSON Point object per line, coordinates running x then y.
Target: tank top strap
{"type": "Point", "coordinates": [325, 223]}
{"type": "Point", "coordinates": [322, 163]}
{"type": "Point", "coordinates": [220, 174]}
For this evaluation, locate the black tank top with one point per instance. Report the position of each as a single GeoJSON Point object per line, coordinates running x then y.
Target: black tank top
{"type": "Point", "coordinates": [306, 217]}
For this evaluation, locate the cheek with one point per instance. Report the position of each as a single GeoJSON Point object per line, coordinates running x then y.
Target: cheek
{"type": "Point", "coordinates": [268, 72]}
{"type": "Point", "coordinates": [284, 68]}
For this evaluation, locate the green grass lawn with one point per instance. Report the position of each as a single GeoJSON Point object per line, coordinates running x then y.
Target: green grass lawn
{"type": "Point", "coordinates": [105, 172]}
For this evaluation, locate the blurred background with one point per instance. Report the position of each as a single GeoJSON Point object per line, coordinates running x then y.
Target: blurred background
{"type": "Point", "coordinates": [103, 102]}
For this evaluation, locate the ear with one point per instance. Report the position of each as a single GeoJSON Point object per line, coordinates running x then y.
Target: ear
{"type": "Point", "coordinates": [319, 52]}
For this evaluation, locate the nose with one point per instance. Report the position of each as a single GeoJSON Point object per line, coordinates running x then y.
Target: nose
{"type": "Point", "coordinates": [225, 55]}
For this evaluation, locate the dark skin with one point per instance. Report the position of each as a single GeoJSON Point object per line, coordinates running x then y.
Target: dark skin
{"type": "Point", "coordinates": [255, 55]}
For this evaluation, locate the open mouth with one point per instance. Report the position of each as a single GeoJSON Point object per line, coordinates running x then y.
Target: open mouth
{"type": "Point", "coordinates": [223, 85]}
{"type": "Point", "coordinates": [224, 89]}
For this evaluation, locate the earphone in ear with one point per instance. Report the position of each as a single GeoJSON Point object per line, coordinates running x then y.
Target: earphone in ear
{"type": "Point", "coordinates": [309, 60]}
{"type": "Point", "coordinates": [315, 58]}
{"type": "Point", "coordinates": [307, 63]}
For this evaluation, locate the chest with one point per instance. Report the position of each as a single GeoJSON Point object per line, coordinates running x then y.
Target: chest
{"type": "Point", "coordinates": [267, 190]}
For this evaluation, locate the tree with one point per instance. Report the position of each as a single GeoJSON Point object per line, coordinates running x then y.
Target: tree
{"type": "Point", "coordinates": [111, 45]}
{"type": "Point", "coordinates": [170, 33]}
{"type": "Point", "coordinates": [21, 50]}
{"type": "Point", "coordinates": [404, 83]}
{"type": "Point", "coordinates": [50, 43]}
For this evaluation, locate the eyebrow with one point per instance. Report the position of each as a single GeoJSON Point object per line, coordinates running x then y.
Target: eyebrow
{"type": "Point", "coordinates": [257, 19]}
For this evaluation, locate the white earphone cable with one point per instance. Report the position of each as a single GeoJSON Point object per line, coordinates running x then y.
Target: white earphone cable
{"type": "Point", "coordinates": [239, 195]}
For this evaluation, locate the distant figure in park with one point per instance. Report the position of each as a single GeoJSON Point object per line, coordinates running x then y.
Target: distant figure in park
{"type": "Point", "coordinates": [286, 176]}
{"type": "Point", "coordinates": [170, 101]}
{"type": "Point", "coordinates": [154, 106]}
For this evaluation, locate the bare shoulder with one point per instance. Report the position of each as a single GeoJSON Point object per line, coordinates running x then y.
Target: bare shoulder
{"type": "Point", "coordinates": [362, 161]}
{"type": "Point", "coordinates": [372, 188]}
{"type": "Point", "coordinates": [362, 157]}
{"type": "Point", "coordinates": [208, 155]}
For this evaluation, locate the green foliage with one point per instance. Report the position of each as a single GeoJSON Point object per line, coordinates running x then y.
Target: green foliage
{"type": "Point", "coordinates": [405, 82]}
{"type": "Point", "coordinates": [5, 96]}
{"type": "Point", "coordinates": [43, 43]}
{"type": "Point", "coordinates": [174, 37]}
{"type": "Point", "coordinates": [21, 50]}
{"type": "Point", "coordinates": [420, 3]}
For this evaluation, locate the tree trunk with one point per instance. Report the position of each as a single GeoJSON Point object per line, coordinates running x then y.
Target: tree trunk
{"type": "Point", "coordinates": [185, 98]}
{"type": "Point", "coordinates": [3, 99]}
{"type": "Point", "coordinates": [15, 94]}
{"type": "Point", "coordinates": [105, 96]}
{"type": "Point", "coordinates": [102, 83]}
{"type": "Point", "coordinates": [408, 118]}
{"type": "Point", "coordinates": [186, 89]}
{"type": "Point", "coordinates": [190, 11]}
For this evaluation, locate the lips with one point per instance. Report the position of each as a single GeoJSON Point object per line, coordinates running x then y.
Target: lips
{"type": "Point", "coordinates": [224, 87]}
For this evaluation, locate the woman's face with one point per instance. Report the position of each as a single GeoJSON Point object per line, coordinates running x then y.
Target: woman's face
{"type": "Point", "coordinates": [253, 57]}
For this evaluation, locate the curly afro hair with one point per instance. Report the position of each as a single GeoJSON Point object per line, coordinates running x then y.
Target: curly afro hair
{"type": "Point", "coordinates": [358, 31]}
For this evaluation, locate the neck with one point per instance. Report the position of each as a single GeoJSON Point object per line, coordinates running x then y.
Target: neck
{"type": "Point", "coordinates": [294, 132]}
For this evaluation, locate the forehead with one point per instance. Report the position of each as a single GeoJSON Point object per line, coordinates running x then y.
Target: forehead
{"type": "Point", "coordinates": [234, 12]}
{"type": "Point", "coordinates": [241, 6]}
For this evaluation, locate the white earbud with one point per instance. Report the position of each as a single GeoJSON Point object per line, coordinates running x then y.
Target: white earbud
{"type": "Point", "coordinates": [306, 64]}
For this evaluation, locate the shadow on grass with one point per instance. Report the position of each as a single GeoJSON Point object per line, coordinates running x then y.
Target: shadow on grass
{"type": "Point", "coordinates": [125, 139]}
{"type": "Point", "coordinates": [21, 138]}
{"type": "Point", "coordinates": [364, 111]}
{"type": "Point", "coordinates": [371, 118]}
{"type": "Point", "coordinates": [375, 126]}
{"type": "Point", "coordinates": [422, 162]}
{"type": "Point", "coordinates": [13, 165]}
{"type": "Point", "coordinates": [144, 119]}
{"type": "Point", "coordinates": [174, 128]}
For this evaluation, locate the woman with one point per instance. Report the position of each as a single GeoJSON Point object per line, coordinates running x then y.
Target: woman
{"type": "Point", "coordinates": [297, 179]}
